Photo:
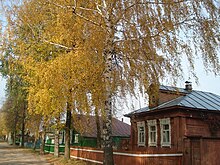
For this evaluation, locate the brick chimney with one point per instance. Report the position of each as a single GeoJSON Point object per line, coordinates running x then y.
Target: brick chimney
{"type": "Point", "coordinates": [188, 86]}
{"type": "Point", "coordinates": [153, 93]}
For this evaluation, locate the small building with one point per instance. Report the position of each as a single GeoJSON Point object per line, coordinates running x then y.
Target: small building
{"type": "Point", "coordinates": [84, 133]}
{"type": "Point", "coordinates": [178, 121]}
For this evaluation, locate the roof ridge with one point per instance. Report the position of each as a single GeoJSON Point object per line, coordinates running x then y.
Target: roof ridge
{"type": "Point", "coordinates": [195, 90]}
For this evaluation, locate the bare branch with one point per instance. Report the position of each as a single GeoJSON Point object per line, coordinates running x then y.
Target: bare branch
{"type": "Point", "coordinates": [58, 45]}
{"type": "Point", "coordinates": [154, 35]}
{"type": "Point", "coordinates": [73, 10]}
{"type": "Point", "coordinates": [154, 3]}
{"type": "Point", "coordinates": [58, 5]}
{"type": "Point", "coordinates": [147, 3]}
{"type": "Point", "coordinates": [87, 9]}
{"type": "Point", "coordinates": [87, 19]}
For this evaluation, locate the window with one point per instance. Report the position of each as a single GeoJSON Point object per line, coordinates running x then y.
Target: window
{"type": "Point", "coordinates": [152, 132]}
{"type": "Point", "coordinates": [61, 137]}
{"type": "Point", "coordinates": [165, 132]}
{"type": "Point", "coordinates": [76, 138]}
{"type": "Point", "coordinates": [141, 133]}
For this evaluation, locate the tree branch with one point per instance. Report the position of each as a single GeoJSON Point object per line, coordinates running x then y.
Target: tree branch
{"type": "Point", "coordinates": [154, 35]}
{"type": "Point", "coordinates": [155, 3]}
{"type": "Point", "coordinates": [148, 3]}
{"type": "Point", "coordinates": [87, 19]}
{"type": "Point", "coordinates": [58, 45]}
{"type": "Point", "coordinates": [74, 8]}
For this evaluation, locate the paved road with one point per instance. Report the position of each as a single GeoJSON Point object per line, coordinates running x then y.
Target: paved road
{"type": "Point", "coordinates": [10, 155]}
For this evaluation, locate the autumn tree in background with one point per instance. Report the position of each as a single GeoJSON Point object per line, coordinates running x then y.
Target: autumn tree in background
{"type": "Point", "coordinates": [15, 106]}
{"type": "Point", "coordinates": [7, 121]}
{"type": "Point", "coordinates": [134, 43]}
{"type": "Point", "coordinates": [3, 129]}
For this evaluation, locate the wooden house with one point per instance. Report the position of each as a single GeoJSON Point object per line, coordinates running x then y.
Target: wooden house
{"type": "Point", "coordinates": [84, 133]}
{"type": "Point", "coordinates": [178, 121]}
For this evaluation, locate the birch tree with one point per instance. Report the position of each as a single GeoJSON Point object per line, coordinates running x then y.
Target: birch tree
{"type": "Point", "coordinates": [143, 41]}
{"type": "Point", "coordinates": [135, 43]}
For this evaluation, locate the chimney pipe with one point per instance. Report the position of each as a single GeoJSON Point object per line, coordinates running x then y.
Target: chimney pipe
{"type": "Point", "coordinates": [188, 86]}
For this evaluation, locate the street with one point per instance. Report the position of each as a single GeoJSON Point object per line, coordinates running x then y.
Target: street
{"type": "Point", "coordinates": [10, 155]}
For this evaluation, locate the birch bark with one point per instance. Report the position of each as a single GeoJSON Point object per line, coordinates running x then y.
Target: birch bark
{"type": "Point", "coordinates": [108, 54]}
{"type": "Point", "coordinates": [56, 143]}
{"type": "Point", "coordinates": [67, 131]}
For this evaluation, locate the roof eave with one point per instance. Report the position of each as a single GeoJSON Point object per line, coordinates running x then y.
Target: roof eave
{"type": "Point", "coordinates": [173, 108]}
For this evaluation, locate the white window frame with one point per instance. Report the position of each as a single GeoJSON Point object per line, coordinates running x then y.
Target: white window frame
{"type": "Point", "coordinates": [163, 122]}
{"type": "Point", "coordinates": [151, 123]}
{"type": "Point", "coordinates": [76, 138]}
{"type": "Point", "coordinates": [61, 137]}
{"type": "Point", "coordinates": [141, 133]}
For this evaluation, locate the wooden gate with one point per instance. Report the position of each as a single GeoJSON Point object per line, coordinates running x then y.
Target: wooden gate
{"type": "Point", "coordinates": [195, 152]}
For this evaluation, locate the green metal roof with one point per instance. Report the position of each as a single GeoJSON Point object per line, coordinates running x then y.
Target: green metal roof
{"type": "Point", "coordinates": [191, 99]}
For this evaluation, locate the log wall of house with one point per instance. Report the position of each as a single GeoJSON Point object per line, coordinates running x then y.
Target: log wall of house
{"type": "Point", "coordinates": [202, 124]}
{"type": "Point", "coordinates": [176, 133]}
{"type": "Point", "coordinates": [201, 151]}
{"type": "Point", "coordinates": [210, 151]}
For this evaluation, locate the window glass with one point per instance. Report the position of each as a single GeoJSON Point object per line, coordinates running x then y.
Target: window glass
{"type": "Point", "coordinates": [141, 133]}
{"type": "Point", "coordinates": [152, 132]}
{"type": "Point", "coordinates": [76, 138]}
{"type": "Point", "coordinates": [165, 132]}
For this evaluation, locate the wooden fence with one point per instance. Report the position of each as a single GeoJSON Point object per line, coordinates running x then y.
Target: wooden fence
{"type": "Point", "coordinates": [127, 158]}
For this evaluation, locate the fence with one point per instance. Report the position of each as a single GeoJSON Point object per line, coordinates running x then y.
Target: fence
{"type": "Point", "coordinates": [128, 158]}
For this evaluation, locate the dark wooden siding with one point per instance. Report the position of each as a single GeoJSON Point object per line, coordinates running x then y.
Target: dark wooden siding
{"type": "Point", "coordinates": [128, 157]}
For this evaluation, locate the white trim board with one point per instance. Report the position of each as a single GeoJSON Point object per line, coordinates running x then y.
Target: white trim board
{"type": "Point", "coordinates": [80, 149]}
{"type": "Point", "coordinates": [52, 145]}
{"type": "Point", "coordinates": [130, 154]}
{"type": "Point", "coordinates": [90, 160]}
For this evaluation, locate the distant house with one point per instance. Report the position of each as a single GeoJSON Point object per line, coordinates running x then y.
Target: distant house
{"type": "Point", "coordinates": [178, 121]}
{"type": "Point", "coordinates": [84, 133]}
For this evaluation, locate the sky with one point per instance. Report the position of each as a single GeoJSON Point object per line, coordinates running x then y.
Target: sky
{"type": "Point", "coordinates": [2, 90]}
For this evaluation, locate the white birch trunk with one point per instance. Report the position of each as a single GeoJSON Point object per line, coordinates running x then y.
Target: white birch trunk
{"type": "Point", "coordinates": [56, 143]}
{"type": "Point", "coordinates": [67, 132]}
{"type": "Point", "coordinates": [107, 134]}
{"type": "Point", "coordinates": [107, 123]}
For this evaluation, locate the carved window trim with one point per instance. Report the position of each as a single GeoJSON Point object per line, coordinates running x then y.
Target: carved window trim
{"type": "Point", "coordinates": [141, 133]}
{"type": "Point", "coordinates": [152, 132]}
{"type": "Point", "coordinates": [165, 132]}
